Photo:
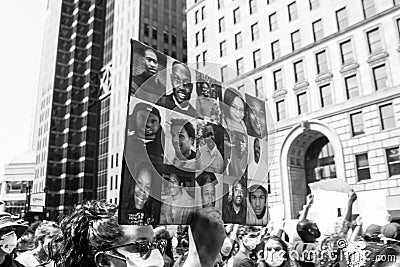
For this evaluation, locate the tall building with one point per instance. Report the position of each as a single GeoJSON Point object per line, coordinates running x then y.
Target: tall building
{"type": "Point", "coordinates": [66, 126]}
{"type": "Point", "coordinates": [160, 24]}
{"type": "Point", "coordinates": [328, 70]}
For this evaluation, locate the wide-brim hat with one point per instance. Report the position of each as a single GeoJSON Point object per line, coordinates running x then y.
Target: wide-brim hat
{"type": "Point", "coordinates": [7, 221]}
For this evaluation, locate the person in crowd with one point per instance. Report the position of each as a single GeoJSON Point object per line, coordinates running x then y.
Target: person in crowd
{"type": "Point", "coordinates": [257, 200]}
{"type": "Point", "coordinates": [140, 207]}
{"type": "Point", "coordinates": [27, 241]}
{"type": "Point", "coordinates": [256, 117]}
{"type": "Point", "coordinates": [235, 212]}
{"type": "Point", "coordinates": [147, 85]}
{"type": "Point", "coordinates": [162, 235]}
{"type": "Point", "coordinates": [182, 88]}
{"type": "Point", "coordinates": [247, 242]}
{"type": "Point", "coordinates": [10, 231]}
{"type": "Point", "coordinates": [41, 255]}
{"type": "Point", "coordinates": [182, 136]}
{"type": "Point", "coordinates": [145, 131]}
{"type": "Point", "coordinates": [234, 111]}
{"type": "Point", "coordinates": [207, 182]}
{"type": "Point", "coordinates": [177, 207]}
{"type": "Point", "coordinates": [391, 231]}
{"type": "Point", "coordinates": [208, 156]}
{"type": "Point", "coordinates": [276, 253]}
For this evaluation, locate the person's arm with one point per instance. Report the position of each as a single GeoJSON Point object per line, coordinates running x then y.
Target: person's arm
{"type": "Point", "coordinates": [304, 213]}
{"type": "Point", "coordinates": [349, 212]}
{"type": "Point", "coordinates": [357, 230]}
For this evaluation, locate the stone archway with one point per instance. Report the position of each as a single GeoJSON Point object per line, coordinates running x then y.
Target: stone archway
{"type": "Point", "coordinates": [292, 162]}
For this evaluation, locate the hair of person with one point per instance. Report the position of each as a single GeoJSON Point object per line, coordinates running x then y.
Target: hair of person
{"type": "Point", "coordinates": [187, 125]}
{"type": "Point", "coordinates": [255, 187]}
{"type": "Point", "coordinates": [176, 63]}
{"type": "Point", "coordinates": [281, 242]}
{"type": "Point", "coordinates": [92, 227]}
{"type": "Point", "coordinates": [145, 49]}
{"type": "Point", "coordinates": [241, 182]}
{"type": "Point", "coordinates": [199, 88]}
{"type": "Point", "coordinates": [230, 94]}
{"type": "Point", "coordinates": [45, 229]}
{"type": "Point", "coordinates": [206, 178]}
{"type": "Point", "coordinates": [302, 228]}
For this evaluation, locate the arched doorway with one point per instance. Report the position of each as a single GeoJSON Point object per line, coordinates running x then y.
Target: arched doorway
{"type": "Point", "coordinates": [312, 151]}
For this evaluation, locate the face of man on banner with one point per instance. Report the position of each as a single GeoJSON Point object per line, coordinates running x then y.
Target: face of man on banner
{"type": "Point", "coordinates": [183, 134]}
{"type": "Point", "coordinates": [150, 62]}
{"type": "Point", "coordinates": [181, 82]}
{"type": "Point", "coordinates": [238, 194]}
{"type": "Point", "coordinates": [209, 136]}
{"type": "Point", "coordinates": [258, 200]}
{"type": "Point", "coordinates": [142, 188]}
{"type": "Point", "coordinates": [257, 117]}
{"type": "Point", "coordinates": [148, 124]}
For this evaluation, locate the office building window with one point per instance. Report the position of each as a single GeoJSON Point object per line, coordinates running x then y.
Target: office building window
{"type": "Point", "coordinates": [239, 66]}
{"type": "Point", "coordinates": [259, 85]}
{"type": "Point", "coordinates": [341, 18]}
{"type": "Point", "coordinates": [318, 32]}
{"type": "Point", "coordinates": [203, 12]}
{"type": "Point", "coordinates": [351, 86]}
{"type": "Point", "coordinates": [396, 2]}
{"type": "Point", "coordinates": [393, 160]}
{"type": "Point", "coordinates": [387, 116]}
{"type": "Point", "coordinates": [154, 33]}
{"type": "Point", "coordinates": [346, 52]}
{"type": "Point", "coordinates": [257, 58]}
{"type": "Point", "coordinates": [357, 123]}
{"type": "Point", "coordinates": [196, 17]}
{"type": "Point", "coordinates": [326, 95]}
{"type": "Point", "coordinates": [173, 42]}
{"type": "Point", "coordinates": [368, 8]}
{"type": "Point", "coordinates": [224, 73]}
{"type": "Point", "coordinates": [254, 32]}
{"type": "Point", "coordinates": [252, 6]}
{"type": "Point", "coordinates": [220, 3]}
{"type": "Point", "coordinates": [314, 4]}
{"type": "Point", "coordinates": [380, 76]}
{"type": "Point", "coordinates": [222, 49]}
{"type": "Point", "coordinates": [273, 22]}
{"type": "Point", "coordinates": [280, 110]}
{"type": "Point", "coordinates": [238, 40]}
{"type": "Point", "coordinates": [204, 57]}
{"type": "Point", "coordinates": [322, 63]}
{"type": "Point", "coordinates": [292, 11]}
{"type": "Point", "coordinates": [111, 182]}
{"type": "Point", "coordinates": [296, 41]}
{"type": "Point", "coordinates": [302, 103]}
{"type": "Point", "coordinates": [198, 61]}
{"type": "Point", "coordinates": [221, 24]}
{"type": "Point", "coordinates": [275, 50]}
{"type": "Point", "coordinates": [374, 41]}
{"type": "Point", "coordinates": [197, 38]}
{"type": "Point", "coordinates": [299, 71]}
{"type": "Point", "coordinates": [278, 79]}
{"type": "Point", "coordinates": [236, 16]}
{"type": "Point", "coordinates": [166, 37]}
{"type": "Point", "coordinates": [362, 167]}
{"type": "Point", "coordinates": [203, 31]}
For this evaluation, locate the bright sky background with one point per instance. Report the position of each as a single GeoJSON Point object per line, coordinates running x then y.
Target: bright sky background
{"type": "Point", "coordinates": [21, 31]}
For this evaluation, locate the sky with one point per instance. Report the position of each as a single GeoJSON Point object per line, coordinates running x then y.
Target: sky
{"type": "Point", "coordinates": [21, 31]}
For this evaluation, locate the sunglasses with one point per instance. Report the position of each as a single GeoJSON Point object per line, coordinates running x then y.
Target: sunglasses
{"type": "Point", "coordinates": [144, 248]}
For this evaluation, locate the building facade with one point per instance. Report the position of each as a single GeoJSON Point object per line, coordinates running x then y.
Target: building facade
{"type": "Point", "coordinates": [328, 72]}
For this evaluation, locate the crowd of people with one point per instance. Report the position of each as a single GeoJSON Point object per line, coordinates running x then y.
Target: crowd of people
{"type": "Point", "coordinates": [92, 236]}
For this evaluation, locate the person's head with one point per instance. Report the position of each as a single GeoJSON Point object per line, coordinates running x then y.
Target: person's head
{"type": "Point", "coordinates": [183, 136]}
{"type": "Point", "coordinates": [276, 251]}
{"type": "Point", "coordinates": [258, 199]}
{"type": "Point", "coordinates": [150, 61]}
{"type": "Point", "coordinates": [207, 181]}
{"type": "Point", "coordinates": [257, 150]}
{"type": "Point", "coordinates": [256, 117]}
{"type": "Point", "coordinates": [308, 231]}
{"type": "Point", "coordinates": [10, 231]}
{"type": "Point", "coordinates": [248, 240]}
{"type": "Point", "coordinates": [238, 194]}
{"type": "Point", "coordinates": [234, 104]}
{"type": "Point", "coordinates": [143, 175]}
{"type": "Point", "coordinates": [372, 232]}
{"type": "Point", "coordinates": [45, 233]}
{"type": "Point", "coordinates": [209, 135]}
{"type": "Point", "coordinates": [181, 82]}
{"type": "Point", "coordinates": [175, 185]}
{"type": "Point", "coordinates": [391, 230]}
{"type": "Point", "coordinates": [203, 89]}
{"type": "Point", "coordinates": [146, 121]}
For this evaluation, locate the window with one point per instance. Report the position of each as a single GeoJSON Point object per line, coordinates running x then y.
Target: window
{"type": "Point", "coordinates": [198, 61]}
{"type": "Point", "coordinates": [296, 42]}
{"type": "Point", "coordinates": [111, 183]}
{"type": "Point", "coordinates": [197, 38]}
{"type": "Point", "coordinates": [204, 57]}
{"type": "Point", "coordinates": [220, 3]}
{"type": "Point", "coordinates": [341, 18]}
{"type": "Point", "coordinates": [203, 31]}
{"type": "Point", "coordinates": [357, 124]}
{"type": "Point", "coordinates": [254, 32]}
{"type": "Point", "coordinates": [322, 64]}
{"type": "Point", "coordinates": [196, 17]}
{"type": "Point", "coordinates": [238, 40]}
{"type": "Point", "coordinates": [236, 16]}
{"type": "Point", "coordinates": [346, 52]}
{"type": "Point", "coordinates": [273, 22]}
{"type": "Point", "coordinates": [387, 116]}
{"type": "Point", "coordinates": [374, 41]}
{"type": "Point", "coordinates": [239, 66]}
{"type": "Point", "coordinates": [222, 49]}
{"type": "Point", "coordinates": [380, 76]}
{"type": "Point", "coordinates": [116, 182]}
{"type": "Point", "coordinates": [314, 4]}
{"type": "Point", "coordinates": [280, 110]}
{"type": "Point", "coordinates": [351, 86]}
{"type": "Point", "coordinates": [270, 1]}
{"type": "Point", "coordinates": [252, 6]}
{"type": "Point", "coordinates": [368, 8]}
{"type": "Point", "coordinates": [224, 74]}
{"type": "Point", "coordinates": [317, 30]}
{"type": "Point", "coordinates": [146, 29]}
{"type": "Point", "coordinates": [166, 37]}
{"type": "Point", "coordinates": [393, 160]}
{"type": "Point", "coordinates": [326, 95]}
{"type": "Point", "coordinates": [292, 11]}
{"type": "Point", "coordinates": [259, 85]}
{"type": "Point", "coordinates": [221, 24]}
{"type": "Point", "coordinates": [173, 40]}
{"type": "Point", "coordinates": [362, 167]}
{"type": "Point", "coordinates": [257, 58]}
{"type": "Point", "coordinates": [154, 33]}
{"type": "Point", "coordinates": [203, 12]}
{"type": "Point", "coordinates": [275, 50]}
{"type": "Point", "coordinates": [278, 80]}
{"type": "Point", "coordinates": [298, 71]}
{"type": "Point", "coordinates": [302, 103]}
